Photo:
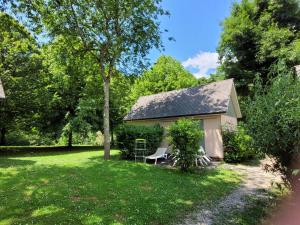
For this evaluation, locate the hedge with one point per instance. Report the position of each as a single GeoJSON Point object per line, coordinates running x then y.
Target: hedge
{"type": "Point", "coordinates": [12, 150]}
{"type": "Point", "coordinates": [127, 134]}
{"type": "Point", "coordinates": [237, 145]}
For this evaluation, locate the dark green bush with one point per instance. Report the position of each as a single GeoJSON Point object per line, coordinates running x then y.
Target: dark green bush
{"type": "Point", "coordinates": [273, 120]}
{"type": "Point", "coordinates": [126, 135]}
{"type": "Point", "coordinates": [15, 150]}
{"type": "Point", "coordinates": [23, 138]}
{"type": "Point", "coordinates": [16, 138]}
{"type": "Point", "coordinates": [185, 137]}
{"type": "Point", "coordinates": [237, 145]}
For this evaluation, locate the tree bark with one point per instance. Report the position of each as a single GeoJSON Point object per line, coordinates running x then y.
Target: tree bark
{"type": "Point", "coordinates": [106, 83]}
{"type": "Point", "coordinates": [2, 139]}
{"type": "Point", "coordinates": [70, 138]}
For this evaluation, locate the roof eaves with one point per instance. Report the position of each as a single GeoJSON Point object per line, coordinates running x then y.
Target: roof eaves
{"type": "Point", "coordinates": [165, 117]}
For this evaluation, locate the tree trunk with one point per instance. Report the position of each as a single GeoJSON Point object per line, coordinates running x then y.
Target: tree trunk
{"type": "Point", "coordinates": [70, 138]}
{"type": "Point", "coordinates": [106, 83]}
{"type": "Point", "coordinates": [3, 132]}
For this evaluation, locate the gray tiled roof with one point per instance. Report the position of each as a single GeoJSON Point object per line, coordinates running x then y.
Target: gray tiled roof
{"type": "Point", "coordinates": [207, 99]}
{"type": "Point", "coordinates": [2, 95]}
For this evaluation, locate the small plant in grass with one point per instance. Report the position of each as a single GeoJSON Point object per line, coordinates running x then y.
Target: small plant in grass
{"type": "Point", "coordinates": [237, 145]}
{"type": "Point", "coordinates": [185, 136]}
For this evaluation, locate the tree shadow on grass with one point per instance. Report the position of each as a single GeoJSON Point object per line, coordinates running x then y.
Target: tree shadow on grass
{"type": "Point", "coordinates": [105, 192]}
{"type": "Point", "coordinates": [11, 162]}
{"type": "Point", "coordinates": [115, 157]}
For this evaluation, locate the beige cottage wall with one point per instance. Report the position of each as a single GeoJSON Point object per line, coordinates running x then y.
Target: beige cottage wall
{"type": "Point", "coordinates": [229, 119]}
{"type": "Point", "coordinates": [213, 137]}
{"type": "Point", "coordinates": [212, 130]}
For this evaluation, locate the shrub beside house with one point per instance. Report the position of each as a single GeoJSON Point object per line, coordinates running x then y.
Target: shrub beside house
{"type": "Point", "coordinates": [127, 134]}
{"type": "Point", "coordinates": [185, 137]}
{"type": "Point", "coordinates": [237, 145]}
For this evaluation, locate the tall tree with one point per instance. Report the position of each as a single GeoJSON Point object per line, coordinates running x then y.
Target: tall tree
{"type": "Point", "coordinates": [67, 76]}
{"type": "Point", "coordinates": [21, 74]}
{"type": "Point", "coordinates": [257, 36]}
{"type": "Point", "coordinates": [115, 32]}
{"type": "Point", "coordinates": [165, 75]}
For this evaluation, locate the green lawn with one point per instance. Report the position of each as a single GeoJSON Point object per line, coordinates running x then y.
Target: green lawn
{"type": "Point", "coordinates": [81, 188]}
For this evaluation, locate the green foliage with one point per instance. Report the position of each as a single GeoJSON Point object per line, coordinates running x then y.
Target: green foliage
{"type": "Point", "coordinates": [120, 91]}
{"type": "Point", "coordinates": [22, 76]}
{"type": "Point", "coordinates": [185, 138]}
{"type": "Point", "coordinates": [18, 137]}
{"type": "Point", "coordinates": [218, 76]}
{"type": "Point", "coordinates": [113, 32]}
{"type": "Point", "coordinates": [257, 35]}
{"type": "Point", "coordinates": [237, 145]}
{"type": "Point", "coordinates": [83, 138]}
{"type": "Point", "coordinates": [49, 149]}
{"type": "Point", "coordinates": [66, 76]}
{"type": "Point", "coordinates": [61, 86]}
{"type": "Point", "coordinates": [126, 135]}
{"type": "Point", "coordinates": [166, 74]}
{"type": "Point", "coordinates": [273, 120]}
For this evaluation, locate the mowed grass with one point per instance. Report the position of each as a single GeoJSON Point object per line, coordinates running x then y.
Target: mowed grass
{"type": "Point", "coordinates": [82, 188]}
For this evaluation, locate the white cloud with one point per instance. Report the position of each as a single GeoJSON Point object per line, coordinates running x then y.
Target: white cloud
{"type": "Point", "coordinates": [202, 63]}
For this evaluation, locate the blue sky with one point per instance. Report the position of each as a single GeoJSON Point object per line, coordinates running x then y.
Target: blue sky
{"type": "Point", "coordinates": [195, 25]}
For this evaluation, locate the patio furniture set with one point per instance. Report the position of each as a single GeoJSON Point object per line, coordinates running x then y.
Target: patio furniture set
{"type": "Point", "coordinates": [161, 153]}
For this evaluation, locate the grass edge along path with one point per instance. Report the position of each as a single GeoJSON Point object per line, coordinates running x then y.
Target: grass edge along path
{"type": "Point", "coordinates": [258, 209]}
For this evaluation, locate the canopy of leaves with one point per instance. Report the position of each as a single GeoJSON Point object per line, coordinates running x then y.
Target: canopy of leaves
{"type": "Point", "coordinates": [165, 75]}
{"type": "Point", "coordinates": [218, 76]}
{"type": "Point", "coordinates": [257, 36]}
{"type": "Point", "coordinates": [66, 79]}
{"type": "Point", "coordinates": [20, 72]}
{"type": "Point", "coordinates": [115, 32]}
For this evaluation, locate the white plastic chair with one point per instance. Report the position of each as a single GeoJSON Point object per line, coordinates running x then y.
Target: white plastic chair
{"type": "Point", "coordinates": [160, 153]}
{"type": "Point", "coordinates": [203, 159]}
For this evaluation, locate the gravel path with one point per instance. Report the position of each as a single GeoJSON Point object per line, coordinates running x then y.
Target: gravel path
{"type": "Point", "coordinates": [254, 180]}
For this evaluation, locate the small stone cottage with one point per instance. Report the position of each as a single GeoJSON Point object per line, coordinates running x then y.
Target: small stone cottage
{"type": "Point", "coordinates": [214, 105]}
